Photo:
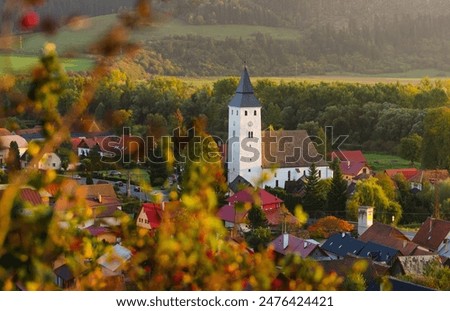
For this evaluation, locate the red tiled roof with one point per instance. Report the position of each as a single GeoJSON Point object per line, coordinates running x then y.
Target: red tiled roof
{"type": "Point", "coordinates": [4, 131]}
{"type": "Point", "coordinates": [390, 237]}
{"type": "Point", "coordinates": [263, 197]}
{"type": "Point", "coordinates": [295, 245]}
{"type": "Point", "coordinates": [227, 213]}
{"type": "Point", "coordinates": [407, 172]}
{"type": "Point", "coordinates": [349, 156]}
{"type": "Point", "coordinates": [30, 195]}
{"type": "Point", "coordinates": [154, 214]}
{"type": "Point", "coordinates": [351, 168]}
{"type": "Point", "coordinates": [276, 216]}
{"type": "Point", "coordinates": [75, 142]}
{"type": "Point", "coordinates": [35, 130]}
{"type": "Point", "coordinates": [432, 233]}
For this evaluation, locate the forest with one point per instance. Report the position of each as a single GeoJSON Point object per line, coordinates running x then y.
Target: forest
{"type": "Point", "coordinates": [365, 37]}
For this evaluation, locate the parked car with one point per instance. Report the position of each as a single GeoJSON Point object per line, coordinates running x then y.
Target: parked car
{"type": "Point", "coordinates": [76, 176]}
{"type": "Point", "coordinates": [115, 173]}
{"type": "Point", "coordinates": [137, 189]}
{"type": "Point", "coordinates": [119, 183]}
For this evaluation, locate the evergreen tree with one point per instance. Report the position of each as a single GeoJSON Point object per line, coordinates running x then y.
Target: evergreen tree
{"type": "Point", "coordinates": [337, 196]}
{"type": "Point", "coordinates": [257, 218]}
{"type": "Point", "coordinates": [13, 161]}
{"type": "Point", "coordinates": [314, 198]}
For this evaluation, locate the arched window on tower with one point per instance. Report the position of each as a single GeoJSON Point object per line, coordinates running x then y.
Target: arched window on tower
{"type": "Point", "coordinates": [246, 112]}
{"type": "Point", "coordinates": [289, 175]}
{"type": "Point", "coordinates": [254, 113]}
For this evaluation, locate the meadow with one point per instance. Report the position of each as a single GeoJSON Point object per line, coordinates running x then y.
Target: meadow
{"type": "Point", "coordinates": [17, 64]}
{"type": "Point", "coordinates": [380, 162]}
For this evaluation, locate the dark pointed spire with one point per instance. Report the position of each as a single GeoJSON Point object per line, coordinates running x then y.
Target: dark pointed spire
{"type": "Point", "coordinates": [245, 85]}
{"type": "Point", "coordinates": [244, 93]}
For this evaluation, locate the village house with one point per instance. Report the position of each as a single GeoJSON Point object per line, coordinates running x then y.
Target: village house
{"type": "Point", "coordinates": [434, 235]}
{"type": "Point", "coordinates": [151, 214]}
{"type": "Point", "coordinates": [235, 212]}
{"type": "Point", "coordinates": [353, 163]}
{"type": "Point", "coordinates": [341, 245]}
{"type": "Point", "coordinates": [49, 161]}
{"type": "Point", "coordinates": [417, 178]}
{"type": "Point", "coordinates": [101, 199]}
{"type": "Point", "coordinates": [414, 265]}
{"type": "Point", "coordinates": [5, 142]}
{"type": "Point", "coordinates": [391, 237]}
{"type": "Point", "coordinates": [287, 243]}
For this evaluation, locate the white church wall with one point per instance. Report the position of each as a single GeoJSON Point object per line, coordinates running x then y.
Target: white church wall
{"type": "Point", "coordinates": [281, 175]}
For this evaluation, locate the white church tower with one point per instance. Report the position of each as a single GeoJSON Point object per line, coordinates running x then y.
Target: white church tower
{"type": "Point", "coordinates": [244, 133]}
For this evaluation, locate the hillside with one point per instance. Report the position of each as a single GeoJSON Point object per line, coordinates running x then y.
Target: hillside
{"type": "Point", "coordinates": [282, 38]}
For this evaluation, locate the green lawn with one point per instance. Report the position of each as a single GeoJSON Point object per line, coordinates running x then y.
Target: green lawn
{"type": "Point", "coordinates": [22, 63]}
{"type": "Point", "coordinates": [380, 162]}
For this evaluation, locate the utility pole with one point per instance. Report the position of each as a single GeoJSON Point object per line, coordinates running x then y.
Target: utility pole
{"type": "Point", "coordinates": [128, 184]}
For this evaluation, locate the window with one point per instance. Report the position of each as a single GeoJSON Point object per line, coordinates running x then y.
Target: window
{"type": "Point", "coordinates": [320, 174]}
{"type": "Point", "coordinates": [289, 175]}
{"type": "Point", "coordinates": [232, 111]}
{"type": "Point", "coordinates": [146, 221]}
{"type": "Point", "coordinates": [254, 113]}
{"type": "Point", "coordinates": [249, 170]}
{"type": "Point", "coordinates": [246, 112]}
{"type": "Point", "coordinates": [275, 174]}
{"type": "Point", "coordinates": [54, 164]}
{"type": "Point", "coordinates": [234, 133]}
{"type": "Point", "coordinates": [276, 183]}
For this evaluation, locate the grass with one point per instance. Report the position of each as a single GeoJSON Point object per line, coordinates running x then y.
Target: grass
{"type": "Point", "coordinates": [23, 63]}
{"type": "Point", "coordinates": [380, 162]}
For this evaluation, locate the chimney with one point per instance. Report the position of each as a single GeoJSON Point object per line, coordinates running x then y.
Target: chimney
{"type": "Point", "coordinates": [285, 240]}
{"type": "Point", "coordinates": [365, 219]}
{"type": "Point", "coordinates": [99, 197]}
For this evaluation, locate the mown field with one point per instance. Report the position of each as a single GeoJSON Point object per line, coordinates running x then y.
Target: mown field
{"type": "Point", "coordinates": [21, 63]}
{"type": "Point", "coordinates": [380, 162]}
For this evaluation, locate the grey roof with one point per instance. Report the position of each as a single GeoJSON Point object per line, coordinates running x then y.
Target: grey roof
{"type": "Point", "coordinates": [245, 96]}
{"type": "Point", "coordinates": [342, 244]}
{"type": "Point", "coordinates": [379, 252]}
{"type": "Point", "coordinates": [239, 183]}
{"type": "Point", "coordinates": [417, 264]}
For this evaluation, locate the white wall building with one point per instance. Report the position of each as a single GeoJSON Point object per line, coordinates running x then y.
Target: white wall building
{"type": "Point", "coordinates": [283, 155]}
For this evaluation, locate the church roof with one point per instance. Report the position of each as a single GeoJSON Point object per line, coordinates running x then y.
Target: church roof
{"type": "Point", "coordinates": [289, 149]}
{"type": "Point", "coordinates": [245, 96]}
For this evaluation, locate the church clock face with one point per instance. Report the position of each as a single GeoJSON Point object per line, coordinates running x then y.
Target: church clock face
{"type": "Point", "coordinates": [250, 123]}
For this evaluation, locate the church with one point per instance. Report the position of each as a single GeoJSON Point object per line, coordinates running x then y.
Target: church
{"type": "Point", "coordinates": [252, 152]}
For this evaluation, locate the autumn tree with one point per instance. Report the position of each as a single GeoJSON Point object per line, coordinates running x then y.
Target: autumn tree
{"type": "Point", "coordinates": [327, 226]}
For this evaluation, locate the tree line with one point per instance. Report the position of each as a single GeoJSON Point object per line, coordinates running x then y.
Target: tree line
{"type": "Point", "coordinates": [375, 117]}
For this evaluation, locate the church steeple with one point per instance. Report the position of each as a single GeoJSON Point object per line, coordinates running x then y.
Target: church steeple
{"type": "Point", "coordinates": [245, 96]}
{"type": "Point", "coordinates": [245, 86]}
{"type": "Point", "coordinates": [244, 132]}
